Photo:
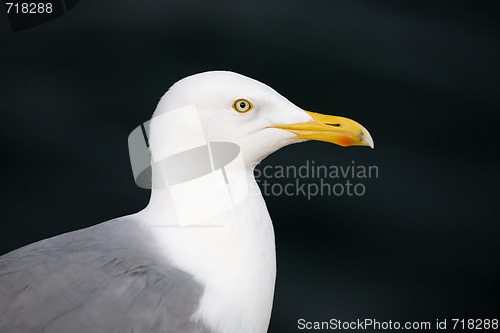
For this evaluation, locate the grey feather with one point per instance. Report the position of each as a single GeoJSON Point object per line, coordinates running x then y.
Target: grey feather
{"type": "Point", "coordinates": [99, 279]}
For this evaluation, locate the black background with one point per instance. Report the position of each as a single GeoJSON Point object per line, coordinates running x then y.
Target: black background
{"type": "Point", "coordinates": [423, 77]}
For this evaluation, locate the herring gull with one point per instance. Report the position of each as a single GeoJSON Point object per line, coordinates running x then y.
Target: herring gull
{"type": "Point", "coordinates": [200, 257]}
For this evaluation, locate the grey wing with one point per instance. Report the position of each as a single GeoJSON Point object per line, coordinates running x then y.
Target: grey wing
{"type": "Point", "coordinates": [99, 279]}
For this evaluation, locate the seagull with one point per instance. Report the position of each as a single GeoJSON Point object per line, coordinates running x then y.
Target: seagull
{"type": "Point", "coordinates": [182, 264]}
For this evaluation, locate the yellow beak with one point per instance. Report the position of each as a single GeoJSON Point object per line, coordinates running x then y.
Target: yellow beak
{"type": "Point", "coordinates": [341, 131]}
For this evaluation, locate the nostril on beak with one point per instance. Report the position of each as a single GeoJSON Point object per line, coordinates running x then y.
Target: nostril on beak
{"type": "Point", "coordinates": [334, 125]}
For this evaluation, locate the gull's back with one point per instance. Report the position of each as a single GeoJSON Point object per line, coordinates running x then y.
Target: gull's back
{"type": "Point", "coordinates": [106, 278]}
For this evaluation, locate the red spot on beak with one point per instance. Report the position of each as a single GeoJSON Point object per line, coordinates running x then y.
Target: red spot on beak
{"type": "Point", "coordinates": [345, 141]}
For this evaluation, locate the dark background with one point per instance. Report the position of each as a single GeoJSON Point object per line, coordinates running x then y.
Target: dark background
{"type": "Point", "coordinates": [423, 77]}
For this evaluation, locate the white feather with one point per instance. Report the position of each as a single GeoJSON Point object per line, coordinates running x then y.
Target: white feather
{"type": "Point", "coordinates": [235, 262]}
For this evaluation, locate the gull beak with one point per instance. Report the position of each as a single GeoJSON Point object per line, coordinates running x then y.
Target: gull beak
{"type": "Point", "coordinates": [341, 131]}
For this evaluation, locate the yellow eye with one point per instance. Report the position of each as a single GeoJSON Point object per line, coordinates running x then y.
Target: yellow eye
{"type": "Point", "coordinates": [242, 105]}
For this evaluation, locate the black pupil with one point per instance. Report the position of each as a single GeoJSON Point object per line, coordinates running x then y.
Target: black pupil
{"type": "Point", "coordinates": [243, 105]}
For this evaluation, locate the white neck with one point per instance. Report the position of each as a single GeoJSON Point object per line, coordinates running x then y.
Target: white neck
{"type": "Point", "coordinates": [235, 260]}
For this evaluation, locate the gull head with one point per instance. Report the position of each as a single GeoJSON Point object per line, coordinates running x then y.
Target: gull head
{"type": "Point", "coordinates": [222, 106]}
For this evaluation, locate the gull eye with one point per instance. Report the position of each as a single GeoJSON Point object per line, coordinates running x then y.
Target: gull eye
{"type": "Point", "coordinates": [242, 105]}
